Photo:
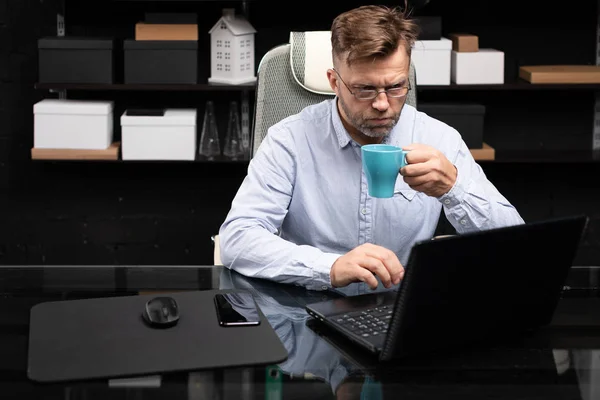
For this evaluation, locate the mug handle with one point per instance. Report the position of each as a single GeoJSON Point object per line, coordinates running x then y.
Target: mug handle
{"type": "Point", "coordinates": [405, 152]}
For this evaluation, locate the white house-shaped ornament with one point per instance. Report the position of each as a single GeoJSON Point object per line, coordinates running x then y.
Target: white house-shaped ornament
{"type": "Point", "coordinates": [232, 50]}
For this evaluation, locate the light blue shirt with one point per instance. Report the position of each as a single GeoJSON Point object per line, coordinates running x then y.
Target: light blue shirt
{"type": "Point", "coordinates": [304, 201]}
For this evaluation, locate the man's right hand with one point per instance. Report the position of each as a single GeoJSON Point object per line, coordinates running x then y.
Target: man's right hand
{"type": "Point", "coordinates": [363, 263]}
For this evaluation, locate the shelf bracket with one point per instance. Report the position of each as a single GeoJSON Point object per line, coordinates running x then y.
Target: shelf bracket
{"type": "Point", "coordinates": [596, 136]}
{"type": "Point", "coordinates": [60, 25]}
{"type": "Point", "coordinates": [61, 93]}
{"type": "Point", "coordinates": [60, 31]}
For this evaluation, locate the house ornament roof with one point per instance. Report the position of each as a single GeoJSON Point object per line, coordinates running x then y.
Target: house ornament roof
{"type": "Point", "coordinates": [237, 25]}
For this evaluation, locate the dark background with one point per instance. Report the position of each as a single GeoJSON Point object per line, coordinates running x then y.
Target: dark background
{"type": "Point", "coordinates": [165, 213]}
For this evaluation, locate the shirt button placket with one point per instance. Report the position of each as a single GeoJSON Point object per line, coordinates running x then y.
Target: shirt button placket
{"type": "Point", "coordinates": [362, 217]}
{"type": "Point", "coordinates": [365, 211]}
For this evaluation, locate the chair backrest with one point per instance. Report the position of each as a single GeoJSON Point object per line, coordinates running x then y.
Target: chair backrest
{"type": "Point", "coordinates": [292, 76]}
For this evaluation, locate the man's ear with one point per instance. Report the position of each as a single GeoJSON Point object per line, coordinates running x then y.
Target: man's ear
{"type": "Point", "coordinates": [333, 80]}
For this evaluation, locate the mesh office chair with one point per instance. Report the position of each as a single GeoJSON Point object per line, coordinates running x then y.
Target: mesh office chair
{"type": "Point", "coordinates": [290, 77]}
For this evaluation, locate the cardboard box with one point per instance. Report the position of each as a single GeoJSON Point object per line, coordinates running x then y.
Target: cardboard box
{"type": "Point", "coordinates": [170, 18]}
{"type": "Point", "coordinates": [168, 137]}
{"type": "Point", "coordinates": [464, 42]}
{"type": "Point", "coordinates": [432, 61]}
{"type": "Point", "coordinates": [560, 73]}
{"type": "Point", "coordinates": [144, 31]}
{"type": "Point", "coordinates": [73, 124]}
{"type": "Point", "coordinates": [483, 67]}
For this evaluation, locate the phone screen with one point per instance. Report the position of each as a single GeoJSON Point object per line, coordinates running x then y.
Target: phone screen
{"type": "Point", "coordinates": [236, 309]}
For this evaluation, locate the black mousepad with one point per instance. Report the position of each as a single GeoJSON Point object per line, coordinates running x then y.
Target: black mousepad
{"type": "Point", "coordinates": [108, 338]}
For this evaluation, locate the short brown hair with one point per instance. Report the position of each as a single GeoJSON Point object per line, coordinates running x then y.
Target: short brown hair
{"type": "Point", "coordinates": [371, 31]}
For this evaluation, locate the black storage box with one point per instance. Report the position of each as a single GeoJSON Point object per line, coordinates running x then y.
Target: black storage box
{"type": "Point", "coordinates": [430, 27]}
{"type": "Point", "coordinates": [161, 61]}
{"type": "Point", "coordinates": [466, 118]}
{"type": "Point", "coordinates": [65, 59]}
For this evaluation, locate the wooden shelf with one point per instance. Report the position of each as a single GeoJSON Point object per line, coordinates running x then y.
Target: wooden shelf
{"type": "Point", "coordinates": [207, 87]}
{"type": "Point", "coordinates": [221, 160]}
{"type": "Point", "coordinates": [516, 85]}
{"type": "Point", "coordinates": [519, 84]}
{"type": "Point", "coordinates": [111, 154]}
{"type": "Point", "coordinates": [547, 156]}
{"type": "Point", "coordinates": [486, 153]}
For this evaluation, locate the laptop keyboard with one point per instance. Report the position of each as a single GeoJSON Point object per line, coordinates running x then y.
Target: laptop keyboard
{"type": "Point", "coordinates": [367, 323]}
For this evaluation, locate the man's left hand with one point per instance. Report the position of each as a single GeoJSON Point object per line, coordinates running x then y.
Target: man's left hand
{"type": "Point", "coordinates": [428, 170]}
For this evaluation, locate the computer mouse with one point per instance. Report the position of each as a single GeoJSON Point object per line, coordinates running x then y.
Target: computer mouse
{"type": "Point", "coordinates": [161, 312]}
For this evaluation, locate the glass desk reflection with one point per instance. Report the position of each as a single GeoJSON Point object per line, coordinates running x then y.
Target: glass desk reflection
{"type": "Point", "coordinates": [561, 362]}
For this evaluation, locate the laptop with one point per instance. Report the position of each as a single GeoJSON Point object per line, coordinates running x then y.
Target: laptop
{"type": "Point", "coordinates": [463, 290]}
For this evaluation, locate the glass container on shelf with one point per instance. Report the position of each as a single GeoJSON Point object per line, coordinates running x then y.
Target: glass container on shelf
{"type": "Point", "coordinates": [246, 127]}
{"type": "Point", "coordinates": [234, 149]}
{"type": "Point", "coordinates": [209, 148]}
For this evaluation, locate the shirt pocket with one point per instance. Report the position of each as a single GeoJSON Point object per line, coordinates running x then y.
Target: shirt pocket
{"type": "Point", "coordinates": [402, 189]}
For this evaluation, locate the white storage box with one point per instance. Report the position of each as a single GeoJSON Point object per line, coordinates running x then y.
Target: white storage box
{"type": "Point", "coordinates": [168, 137]}
{"type": "Point", "coordinates": [432, 61]}
{"type": "Point", "coordinates": [73, 124]}
{"type": "Point", "coordinates": [485, 66]}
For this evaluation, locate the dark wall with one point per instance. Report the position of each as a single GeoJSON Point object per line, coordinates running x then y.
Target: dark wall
{"type": "Point", "coordinates": [165, 213]}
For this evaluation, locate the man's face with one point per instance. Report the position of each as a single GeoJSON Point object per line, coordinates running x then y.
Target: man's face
{"type": "Point", "coordinates": [376, 117]}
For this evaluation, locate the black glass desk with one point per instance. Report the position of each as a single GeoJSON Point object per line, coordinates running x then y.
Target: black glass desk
{"type": "Point", "coordinates": [559, 362]}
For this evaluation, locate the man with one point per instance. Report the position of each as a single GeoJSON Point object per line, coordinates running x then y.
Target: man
{"type": "Point", "coordinates": [303, 214]}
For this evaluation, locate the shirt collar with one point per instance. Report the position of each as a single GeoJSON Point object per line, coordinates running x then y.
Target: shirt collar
{"type": "Point", "coordinates": [344, 137]}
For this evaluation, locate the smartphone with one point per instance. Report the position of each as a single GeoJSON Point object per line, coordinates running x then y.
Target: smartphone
{"type": "Point", "coordinates": [236, 309]}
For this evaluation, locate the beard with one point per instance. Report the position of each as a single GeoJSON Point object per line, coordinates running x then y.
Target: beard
{"type": "Point", "coordinates": [364, 123]}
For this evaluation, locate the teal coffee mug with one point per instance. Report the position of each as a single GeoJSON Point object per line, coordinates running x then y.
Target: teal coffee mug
{"type": "Point", "coordinates": [382, 163]}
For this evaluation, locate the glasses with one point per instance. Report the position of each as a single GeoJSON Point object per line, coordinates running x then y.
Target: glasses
{"type": "Point", "coordinates": [370, 94]}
